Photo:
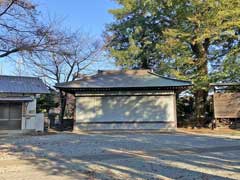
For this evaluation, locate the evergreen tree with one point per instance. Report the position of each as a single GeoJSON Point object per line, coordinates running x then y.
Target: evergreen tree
{"type": "Point", "coordinates": [196, 40]}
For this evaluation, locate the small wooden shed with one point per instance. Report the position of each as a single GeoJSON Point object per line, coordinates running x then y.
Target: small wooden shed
{"type": "Point", "coordinates": [226, 101]}
{"type": "Point", "coordinates": [131, 99]}
{"type": "Point", "coordinates": [18, 98]}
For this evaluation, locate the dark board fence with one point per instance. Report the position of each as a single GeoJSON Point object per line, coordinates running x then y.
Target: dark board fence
{"type": "Point", "coordinates": [227, 105]}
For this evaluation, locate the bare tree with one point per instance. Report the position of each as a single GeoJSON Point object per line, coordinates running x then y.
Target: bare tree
{"type": "Point", "coordinates": [67, 62]}
{"type": "Point", "coordinates": [22, 30]}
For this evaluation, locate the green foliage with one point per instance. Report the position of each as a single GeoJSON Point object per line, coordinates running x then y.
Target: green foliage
{"type": "Point", "coordinates": [46, 102]}
{"type": "Point", "coordinates": [229, 70]}
{"type": "Point", "coordinates": [194, 40]}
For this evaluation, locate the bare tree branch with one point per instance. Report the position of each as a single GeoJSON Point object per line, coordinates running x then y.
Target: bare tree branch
{"type": "Point", "coordinates": [23, 31]}
{"type": "Point", "coordinates": [8, 7]}
{"type": "Point", "coordinates": [67, 59]}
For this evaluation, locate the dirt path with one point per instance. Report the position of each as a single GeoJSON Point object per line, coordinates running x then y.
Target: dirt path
{"type": "Point", "coordinates": [121, 156]}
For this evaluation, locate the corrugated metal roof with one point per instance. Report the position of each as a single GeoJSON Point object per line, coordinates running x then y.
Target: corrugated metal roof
{"type": "Point", "coordinates": [124, 79]}
{"type": "Point", "coordinates": [21, 84]}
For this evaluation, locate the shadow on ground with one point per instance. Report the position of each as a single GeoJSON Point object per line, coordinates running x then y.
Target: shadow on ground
{"type": "Point", "coordinates": [128, 156]}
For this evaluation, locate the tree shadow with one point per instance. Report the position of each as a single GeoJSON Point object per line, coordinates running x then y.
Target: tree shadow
{"type": "Point", "coordinates": [128, 156]}
{"type": "Point", "coordinates": [125, 112]}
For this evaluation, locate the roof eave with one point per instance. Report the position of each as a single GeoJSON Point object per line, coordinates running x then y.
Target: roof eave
{"type": "Point", "coordinates": [72, 89]}
{"type": "Point", "coordinates": [224, 84]}
{"type": "Point", "coordinates": [14, 92]}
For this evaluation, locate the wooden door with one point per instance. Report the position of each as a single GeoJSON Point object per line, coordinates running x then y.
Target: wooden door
{"type": "Point", "coordinates": [10, 116]}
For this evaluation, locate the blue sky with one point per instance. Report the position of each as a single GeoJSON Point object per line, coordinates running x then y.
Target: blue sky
{"type": "Point", "coordinates": [90, 16]}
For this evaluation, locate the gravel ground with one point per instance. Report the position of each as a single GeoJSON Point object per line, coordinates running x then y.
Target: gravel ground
{"type": "Point", "coordinates": [119, 156]}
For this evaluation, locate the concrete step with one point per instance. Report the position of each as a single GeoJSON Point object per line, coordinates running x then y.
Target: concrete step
{"type": "Point", "coordinates": [12, 133]}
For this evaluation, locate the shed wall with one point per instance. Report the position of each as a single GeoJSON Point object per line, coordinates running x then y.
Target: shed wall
{"type": "Point", "coordinates": [126, 112]}
{"type": "Point", "coordinates": [29, 119]}
{"type": "Point", "coordinates": [29, 115]}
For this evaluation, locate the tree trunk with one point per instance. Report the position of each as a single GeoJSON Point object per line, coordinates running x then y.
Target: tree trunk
{"type": "Point", "coordinates": [201, 89]}
{"type": "Point", "coordinates": [145, 64]}
{"type": "Point", "coordinates": [63, 100]}
{"type": "Point", "coordinates": [200, 107]}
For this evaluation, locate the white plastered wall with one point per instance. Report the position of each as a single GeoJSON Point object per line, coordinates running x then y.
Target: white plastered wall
{"type": "Point", "coordinates": [31, 120]}
{"type": "Point", "coordinates": [156, 111]}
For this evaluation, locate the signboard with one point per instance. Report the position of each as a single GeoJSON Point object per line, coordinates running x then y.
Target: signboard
{"type": "Point", "coordinates": [226, 105]}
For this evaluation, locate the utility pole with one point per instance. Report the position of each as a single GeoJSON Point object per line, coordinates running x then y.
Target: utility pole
{"type": "Point", "coordinates": [19, 67]}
